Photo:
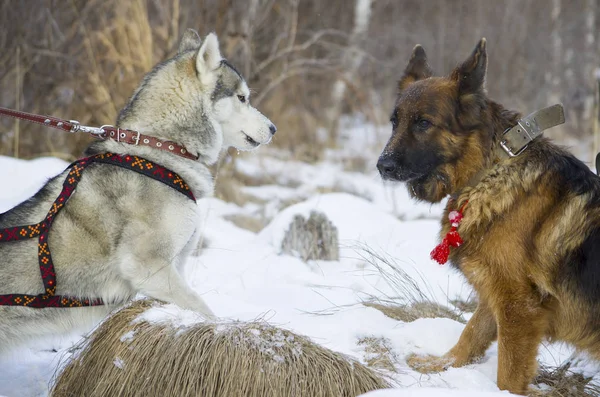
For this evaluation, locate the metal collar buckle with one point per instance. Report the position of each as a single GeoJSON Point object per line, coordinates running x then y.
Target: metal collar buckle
{"type": "Point", "coordinates": [516, 139]}
{"type": "Point", "coordinates": [524, 129]}
{"type": "Point", "coordinates": [509, 150]}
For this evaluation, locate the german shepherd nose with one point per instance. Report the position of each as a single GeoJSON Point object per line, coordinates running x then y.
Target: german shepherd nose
{"type": "Point", "coordinates": [387, 167]}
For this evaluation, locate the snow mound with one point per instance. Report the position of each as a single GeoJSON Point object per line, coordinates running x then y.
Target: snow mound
{"type": "Point", "coordinates": [433, 392]}
{"type": "Point", "coordinates": [23, 178]}
{"type": "Point", "coordinates": [356, 218]}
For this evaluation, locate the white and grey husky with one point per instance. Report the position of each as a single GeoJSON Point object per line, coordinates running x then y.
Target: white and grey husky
{"type": "Point", "coordinates": [121, 232]}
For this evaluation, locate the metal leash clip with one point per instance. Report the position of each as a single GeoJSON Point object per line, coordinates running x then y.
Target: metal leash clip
{"type": "Point", "coordinates": [76, 127]}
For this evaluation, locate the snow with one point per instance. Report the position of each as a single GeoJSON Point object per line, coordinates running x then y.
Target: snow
{"type": "Point", "coordinates": [266, 340]}
{"type": "Point", "coordinates": [242, 275]}
{"type": "Point", "coordinates": [22, 178]}
{"type": "Point", "coordinates": [170, 314]}
{"type": "Point", "coordinates": [127, 337]}
{"type": "Point", "coordinates": [431, 392]}
{"type": "Point", "coordinates": [119, 363]}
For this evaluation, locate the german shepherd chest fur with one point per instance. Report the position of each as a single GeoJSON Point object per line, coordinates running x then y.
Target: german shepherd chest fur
{"type": "Point", "coordinates": [536, 220]}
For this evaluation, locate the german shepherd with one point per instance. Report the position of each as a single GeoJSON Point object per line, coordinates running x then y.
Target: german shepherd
{"type": "Point", "coordinates": [531, 226]}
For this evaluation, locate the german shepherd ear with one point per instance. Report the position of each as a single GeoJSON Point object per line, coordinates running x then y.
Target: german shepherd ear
{"type": "Point", "coordinates": [209, 56]}
{"type": "Point", "coordinates": [417, 68]}
{"type": "Point", "coordinates": [471, 74]}
{"type": "Point", "coordinates": [189, 41]}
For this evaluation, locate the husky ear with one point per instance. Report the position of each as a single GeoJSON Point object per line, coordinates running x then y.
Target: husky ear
{"type": "Point", "coordinates": [189, 41]}
{"type": "Point", "coordinates": [417, 68]}
{"type": "Point", "coordinates": [470, 75]}
{"type": "Point", "coordinates": [209, 57]}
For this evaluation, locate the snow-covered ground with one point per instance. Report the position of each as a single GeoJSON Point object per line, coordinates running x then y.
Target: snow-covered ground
{"type": "Point", "coordinates": [242, 275]}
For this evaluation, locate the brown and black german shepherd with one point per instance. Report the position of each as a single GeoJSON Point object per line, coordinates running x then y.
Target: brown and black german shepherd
{"type": "Point", "coordinates": [531, 226]}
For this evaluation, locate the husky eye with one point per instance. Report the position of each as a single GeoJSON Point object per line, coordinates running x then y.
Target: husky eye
{"type": "Point", "coordinates": [423, 124]}
{"type": "Point", "coordinates": [242, 98]}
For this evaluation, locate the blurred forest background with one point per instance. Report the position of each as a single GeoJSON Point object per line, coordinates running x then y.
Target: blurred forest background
{"type": "Point", "coordinates": [308, 61]}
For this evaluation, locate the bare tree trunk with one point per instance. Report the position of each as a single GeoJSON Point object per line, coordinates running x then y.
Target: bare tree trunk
{"type": "Point", "coordinates": [351, 61]}
{"type": "Point", "coordinates": [591, 7]}
{"type": "Point", "coordinates": [440, 42]}
{"type": "Point", "coordinates": [589, 62]}
{"type": "Point", "coordinates": [239, 32]}
{"type": "Point", "coordinates": [596, 118]}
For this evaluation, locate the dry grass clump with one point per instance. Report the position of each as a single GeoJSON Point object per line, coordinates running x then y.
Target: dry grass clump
{"type": "Point", "coordinates": [128, 356]}
{"type": "Point", "coordinates": [466, 306]}
{"type": "Point", "coordinates": [247, 222]}
{"type": "Point", "coordinates": [312, 239]}
{"type": "Point", "coordinates": [416, 310]}
{"type": "Point", "coordinates": [378, 353]}
{"type": "Point", "coordinates": [411, 300]}
{"type": "Point", "coordinates": [562, 382]}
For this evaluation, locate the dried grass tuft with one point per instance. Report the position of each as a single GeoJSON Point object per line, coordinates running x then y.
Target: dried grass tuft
{"type": "Point", "coordinates": [411, 300]}
{"type": "Point", "coordinates": [416, 310]}
{"type": "Point", "coordinates": [379, 353]}
{"type": "Point", "coordinates": [247, 222]}
{"type": "Point", "coordinates": [466, 305]}
{"type": "Point", "coordinates": [312, 239]}
{"type": "Point", "coordinates": [562, 382]}
{"type": "Point", "coordinates": [130, 358]}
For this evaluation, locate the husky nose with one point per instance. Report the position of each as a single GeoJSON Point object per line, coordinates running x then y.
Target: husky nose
{"type": "Point", "coordinates": [273, 129]}
{"type": "Point", "coordinates": [386, 167]}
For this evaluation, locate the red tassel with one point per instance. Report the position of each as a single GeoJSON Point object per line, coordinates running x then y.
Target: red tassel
{"type": "Point", "coordinates": [454, 238]}
{"type": "Point", "coordinates": [441, 252]}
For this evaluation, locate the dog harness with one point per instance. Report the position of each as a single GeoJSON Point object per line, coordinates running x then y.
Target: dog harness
{"type": "Point", "coordinates": [42, 229]}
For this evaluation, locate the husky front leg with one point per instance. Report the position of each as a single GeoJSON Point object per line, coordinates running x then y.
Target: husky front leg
{"type": "Point", "coordinates": [150, 272]}
{"type": "Point", "coordinates": [148, 258]}
{"type": "Point", "coordinates": [160, 280]}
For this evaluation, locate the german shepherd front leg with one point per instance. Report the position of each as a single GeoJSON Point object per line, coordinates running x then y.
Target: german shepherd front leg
{"type": "Point", "coordinates": [522, 323]}
{"type": "Point", "coordinates": [475, 339]}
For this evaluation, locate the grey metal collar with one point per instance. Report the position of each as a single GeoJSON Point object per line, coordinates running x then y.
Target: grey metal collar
{"type": "Point", "coordinates": [516, 139]}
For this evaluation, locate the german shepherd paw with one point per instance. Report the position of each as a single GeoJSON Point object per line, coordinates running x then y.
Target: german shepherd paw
{"type": "Point", "coordinates": [429, 364]}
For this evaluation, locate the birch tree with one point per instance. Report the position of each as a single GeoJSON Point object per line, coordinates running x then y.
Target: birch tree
{"type": "Point", "coordinates": [352, 59]}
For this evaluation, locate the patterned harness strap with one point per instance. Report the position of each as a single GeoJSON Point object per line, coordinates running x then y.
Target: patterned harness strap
{"type": "Point", "coordinates": [41, 229]}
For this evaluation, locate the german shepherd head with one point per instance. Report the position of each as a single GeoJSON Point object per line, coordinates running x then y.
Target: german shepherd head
{"type": "Point", "coordinates": [444, 128]}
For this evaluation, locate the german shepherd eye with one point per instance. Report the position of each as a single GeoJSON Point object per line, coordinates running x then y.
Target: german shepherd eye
{"type": "Point", "coordinates": [423, 124]}
{"type": "Point", "coordinates": [242, 98]}
{"type": "Point", "coordinates": [394, 121]}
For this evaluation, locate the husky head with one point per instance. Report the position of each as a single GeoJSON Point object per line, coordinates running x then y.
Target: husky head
{"type": "Point", "coordinates": [199, 100]}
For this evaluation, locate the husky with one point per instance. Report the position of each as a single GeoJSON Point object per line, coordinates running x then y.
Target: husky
{"type": "Point", "coordinates": [122, 233]}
